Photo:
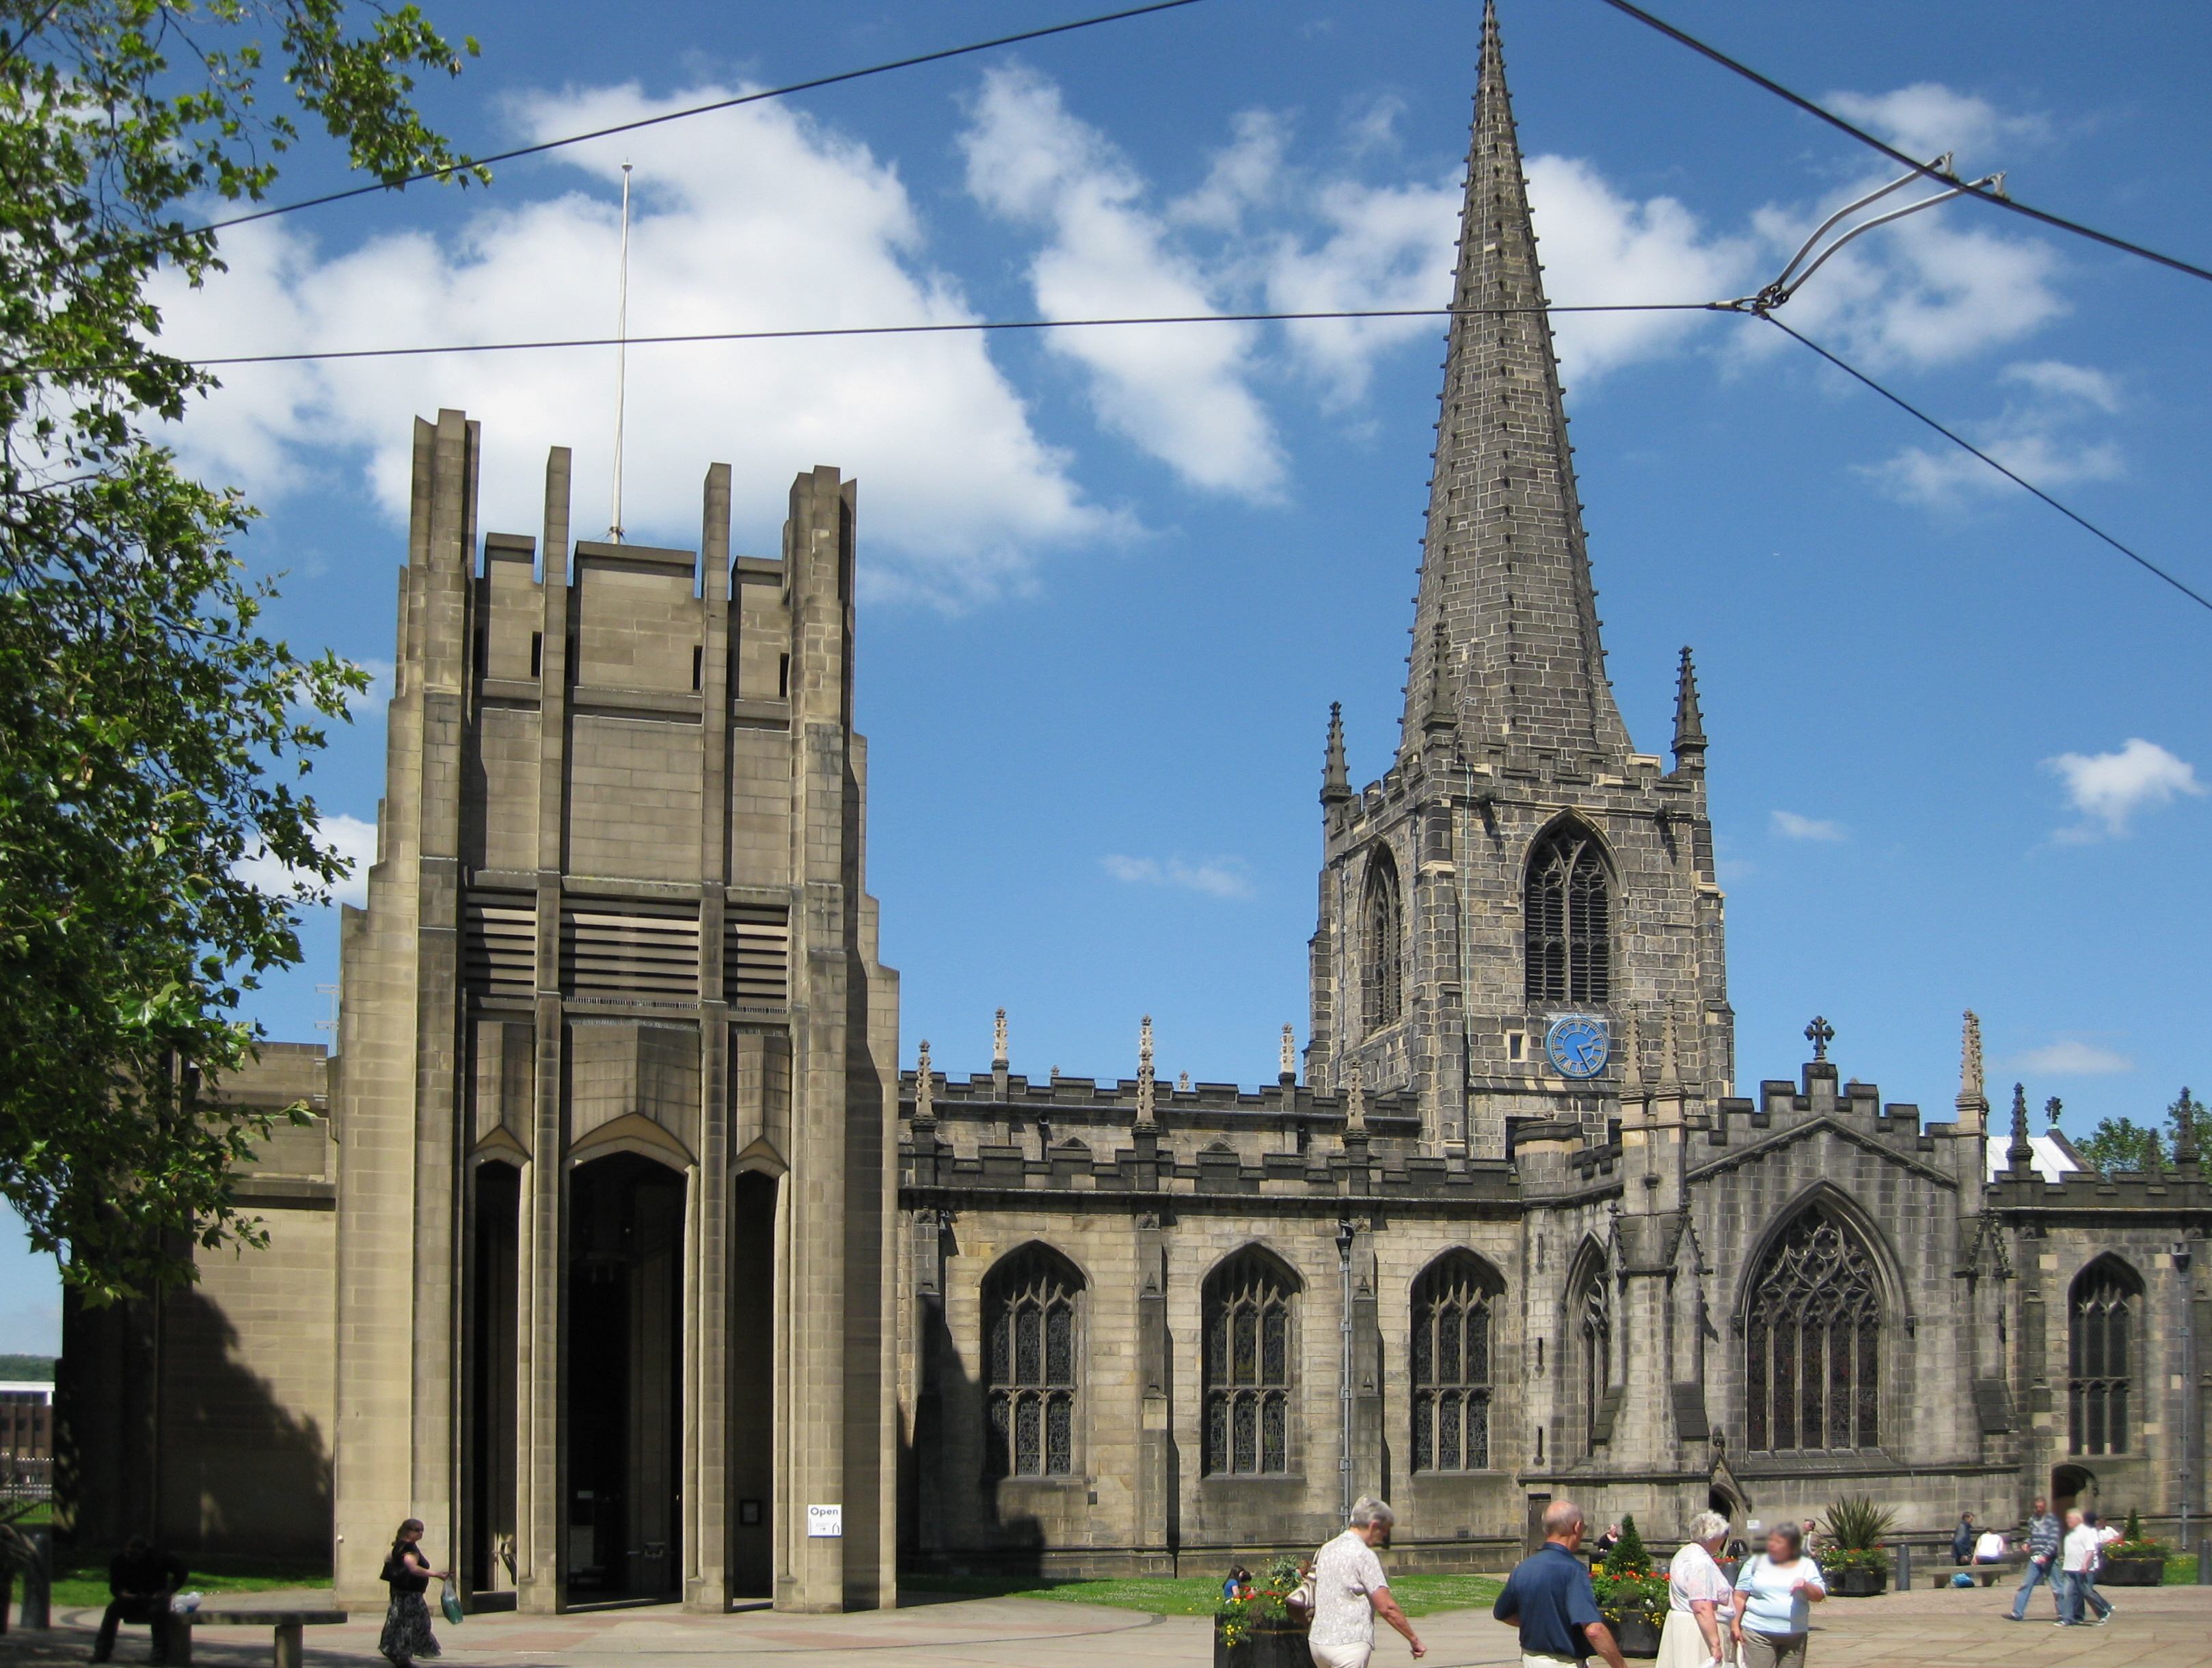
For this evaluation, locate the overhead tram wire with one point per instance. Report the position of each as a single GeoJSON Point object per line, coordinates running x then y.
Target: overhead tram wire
{"type": "Point", "coordinates": [1959, 440]}
{"type": "Point", "coordinates": [966, 326]}
{"type": "Point", "coordinates": [544, 146]}
{"type": "Point", "coordinates": [1894, 154]}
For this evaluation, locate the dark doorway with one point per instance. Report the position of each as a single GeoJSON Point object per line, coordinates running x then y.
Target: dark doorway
{"type": "Point", "coordinates": [752, 1384]}
{"type": "Point", "coordinates": [625, 1364]}
{"type": "Point", "coordinates": [1532, 1540]}
{"type": "Point", "coordinates": [1724, 1502]}
{"type": "Point", "coordinates": [2071, 1486]}
{"type": "Point", "coordinates": [492, 1402]}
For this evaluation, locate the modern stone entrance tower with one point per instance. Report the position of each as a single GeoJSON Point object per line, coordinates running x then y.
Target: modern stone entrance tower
{"type": "Point", "coordinates": [1520, 862]}
{"type": "Point", "coordinates": [619, 1069]}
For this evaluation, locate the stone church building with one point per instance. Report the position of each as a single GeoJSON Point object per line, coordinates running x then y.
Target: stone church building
{"type": "Point", "coordinates": [619, 1249]}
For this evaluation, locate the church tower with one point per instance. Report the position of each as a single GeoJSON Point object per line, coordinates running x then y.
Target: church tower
{"type": "Point", "coordinates": [1520, 920]}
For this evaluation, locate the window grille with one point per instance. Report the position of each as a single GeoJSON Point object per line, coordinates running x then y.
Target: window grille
{"type": "Point", "coordinates": [1569, 921]}
{"type": "Point", "coordinates": [499, 943]}
{"type": "Point", "coordinates": [1247, 1368]}
{"type": "Point", "coordinates": [1029, 1344]}
{"type": "Point", "coordinates": [634, 951]}
{"type": "Point", "coordinates": [1383, 982]}
{"type": "Point", "coordinates": [1813, 1343]}
{"type": "Point", "coordinates": [756, 953]}
{"type": "Point", "coordinates": [2099, 1379]}
{"type": "Point", "coordinates": [1451, 1367]}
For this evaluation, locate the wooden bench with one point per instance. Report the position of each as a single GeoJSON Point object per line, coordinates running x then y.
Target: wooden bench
{"type": "Point", "coordinates": [286, 1625]}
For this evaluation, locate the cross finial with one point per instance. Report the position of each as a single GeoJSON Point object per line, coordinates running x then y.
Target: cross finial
{"type": "Point", "coordinates": [1819, 1034]}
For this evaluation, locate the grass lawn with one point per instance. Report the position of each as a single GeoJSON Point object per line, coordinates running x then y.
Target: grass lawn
{"type": "Point", "coordinates": [1197, 1595]}
{"type": "Point", "coordinates": [80, 1577]}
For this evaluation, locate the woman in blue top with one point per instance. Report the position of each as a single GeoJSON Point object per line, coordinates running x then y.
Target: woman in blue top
{"type": "Point", "coordinates": [1775, 1590]}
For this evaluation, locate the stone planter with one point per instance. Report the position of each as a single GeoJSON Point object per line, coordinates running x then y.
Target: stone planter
{"type": "Point", "coordinates": [2131, 1573]}
{"type": "Point", "coordinates": [1269, 1644]}
{"type": "Point", "coordinates": [1636, 1633]}
{"type": "Point", "coordinates": [1860, 1582]}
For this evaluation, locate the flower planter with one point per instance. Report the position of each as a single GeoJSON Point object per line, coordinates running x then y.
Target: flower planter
{"type": "Point", "coordinates": [1861, 1582]}
{"type": "Point", "coordinates": [1269, 1644]}
{"type": "Point", "coordinates": [1636, 1633]}
{"type": "Point", "coordinates": [2131, 1573]}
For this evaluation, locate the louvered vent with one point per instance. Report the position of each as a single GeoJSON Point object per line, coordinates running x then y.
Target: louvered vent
{"type": "Point", "coordinates": [635, 951]}
{"type": "Point", "coordinates": [500, 943]}
{"type": "Point", "coordinates": [756, 953]}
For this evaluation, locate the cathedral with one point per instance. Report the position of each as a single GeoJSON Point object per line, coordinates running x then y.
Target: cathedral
{"type": "Point", "coordinates": [623, 1251]}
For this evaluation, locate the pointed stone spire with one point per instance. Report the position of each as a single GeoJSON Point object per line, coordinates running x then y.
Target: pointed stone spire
{"type": "Point", "coordinates": [1287, 1068]}
{"type": "Point", "coordinates": [1670, 1064]}
{"type": "Point", "coordinates": [1689, 722]}
{"type": "Point", "coordinates": [1145, 1117]}
{"type": "Point", "coordinates": [1973, 1101]}
{"type": "Point", "coordinates": [925, 1090]}
{"type": "Point", "coordinates": [1355, 1104]}
{"type": "Point", "coordinates": [2184, 1133]}
{"type": "Point", "coordinates": [1336, 784]}
{"type": "Point", "coordinates": [999, 1057]}
{"type": "Point", "coordinates": [2019, 1155]}
{"type": "Point", "coordinates": [1506, 570]}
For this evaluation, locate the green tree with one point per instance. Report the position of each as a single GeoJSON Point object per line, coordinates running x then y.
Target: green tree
{"type": "Point", "coordinates": [2120, 1143]}
{"type": "Point", "coordinates": [151, 733]}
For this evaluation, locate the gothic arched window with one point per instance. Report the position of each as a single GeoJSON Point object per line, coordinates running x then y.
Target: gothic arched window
{"type": "Point", "coordinates": [1813, 1340]}
{"type": "Point", "coordinates": [1382, 981]}
{"type": "Point", "coordinates": [1029, 1330]}
{"type": "Point", "coordinates": [1569, 920]}
{"type": "Point", "coordinates": [1451, 1365]}
{"type": "Point", "coordinates": [1594, 1327]}
{"type": "Point", "coordinates": [1247, 1367]}
{"type": "Point", "coordinates": [2104, 1300]}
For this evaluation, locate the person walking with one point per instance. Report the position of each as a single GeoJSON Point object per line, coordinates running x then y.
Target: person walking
{"type": "Point", "coordinates": [1700, 1601]}
{"type": "Point", "coordinates": [407, 1572]}
{"type": "Point", "coordinates": [142, 1580]}
{"type": "Point", "coordinates": [1350, 1590]}
{"type": "Point", "coordinates": [1962, 1539]}
{"type": "Point", "coordinates": [1550, 1598]}
{"type": "Point", "coordinates": [2077, 1557]}
{"type": "Point", "coordinates": [1774, 1594]}
{"type": "Point", "coordinates": [2044, 1534]}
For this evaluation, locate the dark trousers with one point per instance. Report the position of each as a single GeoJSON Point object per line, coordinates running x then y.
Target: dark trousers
{"type": "Point", "coordinates": [153, 1612]}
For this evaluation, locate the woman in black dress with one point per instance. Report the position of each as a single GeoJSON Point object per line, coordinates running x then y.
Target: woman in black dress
{"type": "Point", "coordinates": [407, 1633]}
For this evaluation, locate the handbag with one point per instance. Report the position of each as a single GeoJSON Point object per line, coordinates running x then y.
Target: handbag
{"type": "Point", "coordinates": [450, 1603]}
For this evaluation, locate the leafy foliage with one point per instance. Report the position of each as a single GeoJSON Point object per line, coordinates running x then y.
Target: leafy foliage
{"type": "Point", "coordinates": [2120, 1143]}
{"type": "Point", "coordinates": [1625, 1581]}
{"type": "Point", "coordinates": [1857, 1524]}
{"type": "Point", "coordinates": [150, 732]}
{"type": "Point", "coordinates": [2134, 1543]}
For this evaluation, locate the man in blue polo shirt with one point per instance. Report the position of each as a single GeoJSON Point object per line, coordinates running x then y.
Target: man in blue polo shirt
{"type": "Point", "coordinates": [1550, 1597]}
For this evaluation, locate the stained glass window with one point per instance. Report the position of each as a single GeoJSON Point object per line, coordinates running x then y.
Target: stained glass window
{"type": "Point", "coordinates": [1596, 1329]}
{"type": "Point", "coordinates": [1248, 1367]}
{"type": "Point", "coordinates": [1812, 1342]}
{"type": "Point", "coordinates": [1451, 1365]}
{"type": "Point", "coordinates": [1568, 920]}
{"type": "Point", "coordinates": [1382, 981]}
{"type": "Point", "coordinates": [2099, 1377]}
{"type": "Point", "coordinates": [1029, 1307]}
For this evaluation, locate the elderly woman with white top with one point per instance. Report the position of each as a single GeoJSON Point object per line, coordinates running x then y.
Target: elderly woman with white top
{"type": "Point", "coordinates": [1700, 1601]}
{"type": "Point", "coordinates": [1774, 1592]}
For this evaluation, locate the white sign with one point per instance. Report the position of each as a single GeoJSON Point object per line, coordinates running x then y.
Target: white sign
{"type": "Point", "coordinates": [825, 1521]}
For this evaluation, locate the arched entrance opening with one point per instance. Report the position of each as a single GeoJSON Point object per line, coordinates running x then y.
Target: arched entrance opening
{"type": "Point", "coordinates": [2072, 1486]}
{"type": "Point", "coordinates": [625, 1346]}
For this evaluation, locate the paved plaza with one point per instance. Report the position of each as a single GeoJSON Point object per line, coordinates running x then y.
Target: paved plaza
{"type": "Point", "coordinates": [2155, 1628]}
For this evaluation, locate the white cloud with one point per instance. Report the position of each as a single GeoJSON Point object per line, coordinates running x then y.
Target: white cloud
{"type": "Point", "coordinates": [2030, 438]}
{"type": "Point", "coordinates": [349, 837]}
{"type": "Point", "coordinates": [755, 218]}
{"type": "Point", "coordinates": [1218, 877]}
{"type": "Point", "coordinates": [2110, 788]}
{"type": "Point", "coordinates": [2061, 380]}
{"type": "Point", "coordinates": [1792, 826]}
{"type": "Point", "coordinates": [1244, 174]}
{"type": "Point", "coordinates": [1927, 118]}
{"type": "Point", "coordinates": [2070, 1058]}
{"type": "Point", "coordinates": [1176, 391]}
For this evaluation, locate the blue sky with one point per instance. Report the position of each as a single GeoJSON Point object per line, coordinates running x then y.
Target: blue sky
{"type": "Point", "coordinates": [1114, 581]}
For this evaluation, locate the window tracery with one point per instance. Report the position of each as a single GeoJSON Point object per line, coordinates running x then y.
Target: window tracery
{"type": "Point", "coordinates": [1030, 1305]}
{"type": "Point", "coordinates": [1812, 1342]}
{"type": "Point", "coordinates": [1247, 1368]}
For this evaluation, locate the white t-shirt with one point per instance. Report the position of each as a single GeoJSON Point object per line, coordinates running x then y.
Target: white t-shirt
{"type": "Point", "coordinates": [1346, 1572]}
{"type": "Point", "coordinates": [2079, 1550]}
{"type": "Point", "coordinates": [1990, 1546]}
{"type": "Point", "coordinates": [2107, 1535]}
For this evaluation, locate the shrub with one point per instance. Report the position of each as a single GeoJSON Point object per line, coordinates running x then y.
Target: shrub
{"type": "Point", "coordinates": [1625, 1581]}
{"type": "Point", "coordinates": [2134, 1543]}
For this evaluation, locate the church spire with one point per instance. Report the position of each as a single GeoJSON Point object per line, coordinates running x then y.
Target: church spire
{"type": "Point", "coordinates": [1336, 784]}
{"type": "Point", "coordinates": [1505, 580]}
{"type": "Point", "coordinates": [1689, 722]}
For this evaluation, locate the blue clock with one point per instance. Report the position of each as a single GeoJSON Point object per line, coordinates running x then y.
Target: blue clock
{"type": "Point", "coordinates": [1577, 1046]}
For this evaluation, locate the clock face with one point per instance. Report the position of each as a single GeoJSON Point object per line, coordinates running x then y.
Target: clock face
{"type": "Point", "coordinates": [1577, 1046]}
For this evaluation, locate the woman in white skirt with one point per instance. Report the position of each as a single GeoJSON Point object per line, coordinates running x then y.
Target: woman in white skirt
{"type": "Point", "coordinates": [1700, 1601]}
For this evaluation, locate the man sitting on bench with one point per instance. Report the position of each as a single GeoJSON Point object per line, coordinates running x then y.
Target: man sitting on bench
{"type": "Point", "coordinates": [144, 1579]}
